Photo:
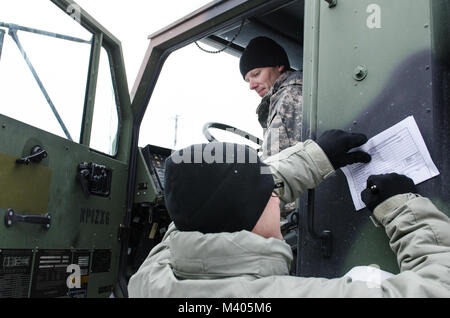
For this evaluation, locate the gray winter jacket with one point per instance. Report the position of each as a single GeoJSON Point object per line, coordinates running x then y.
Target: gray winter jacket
{"type": "Point", "coordinates": [243, 264]}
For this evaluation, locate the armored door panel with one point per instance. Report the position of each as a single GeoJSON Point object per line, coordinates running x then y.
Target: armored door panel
{"type": "Point", "coordinates": [370, 65]}
{"type": "Point", "coordinates": [62, 197]}
{"type": "Point", "coordinates": [83, 224]}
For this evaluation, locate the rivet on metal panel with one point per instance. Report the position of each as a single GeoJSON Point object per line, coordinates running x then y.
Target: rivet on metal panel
{"type": "Point", "coordinates": [360, 72]}
{"type": "Point", "coordinates": [331, 3]}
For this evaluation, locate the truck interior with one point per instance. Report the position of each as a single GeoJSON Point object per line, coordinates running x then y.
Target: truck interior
{"type": "Point", "coordinates": [280, 20]}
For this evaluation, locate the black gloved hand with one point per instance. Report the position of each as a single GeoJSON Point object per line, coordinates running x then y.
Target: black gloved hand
{"type": "Point", "coordinates": [382, 187]}
{"type": "Point", "coordinates": [337, 143]}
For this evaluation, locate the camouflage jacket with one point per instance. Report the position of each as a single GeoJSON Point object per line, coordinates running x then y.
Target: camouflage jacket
{"type": "Point", "coordinates": [280, 113]}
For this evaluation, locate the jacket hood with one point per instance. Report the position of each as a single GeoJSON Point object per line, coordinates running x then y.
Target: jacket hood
{"type": "Point", "coordinates": [197, 255]}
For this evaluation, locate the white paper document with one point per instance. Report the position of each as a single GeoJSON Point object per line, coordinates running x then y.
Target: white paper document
{"type": "Point", "coordinates": [399, 149]}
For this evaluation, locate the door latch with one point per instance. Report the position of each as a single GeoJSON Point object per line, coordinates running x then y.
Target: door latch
{"type": "Point", "coordinates": [11, 217]}
{"type": "Point", "coordinates": [37, 155]}
{"type": "Point", "coordinates": [94, 179]}
{"type": "Point", "coordinates": [325, 237]}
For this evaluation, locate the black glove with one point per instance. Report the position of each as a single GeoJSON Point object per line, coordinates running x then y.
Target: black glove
{"type": "Point", "coordinates": [382, 187]}
{"type": "Point", "coordinates": [337, 143]}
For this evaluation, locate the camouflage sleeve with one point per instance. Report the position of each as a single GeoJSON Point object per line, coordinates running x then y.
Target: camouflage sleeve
{"type": "Point", "coordinates": [285, 129]}
{"type": "Point", "coordinates": [290, 111]}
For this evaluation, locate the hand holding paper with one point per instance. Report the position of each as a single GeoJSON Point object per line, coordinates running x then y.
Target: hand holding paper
{"type": "Point", "coordinates": [336, 144]}
{"type": "Point", "coordinates": [399, 149]}
{"type": "Point", "coordinates": [382, 187]}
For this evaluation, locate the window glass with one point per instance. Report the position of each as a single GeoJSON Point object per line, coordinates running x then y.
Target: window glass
{"type": "Point", "coordinates": [195, 88]}
{"type": "Point", "coordinates": [138, 19]}
{"type": "Point", "coordinates": [47, 88]}
{"type": "Point", "coordinates": [105, 122]}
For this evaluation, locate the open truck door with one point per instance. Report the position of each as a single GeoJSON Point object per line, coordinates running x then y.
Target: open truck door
{"type": "Point", "coordinates": [64, 156]}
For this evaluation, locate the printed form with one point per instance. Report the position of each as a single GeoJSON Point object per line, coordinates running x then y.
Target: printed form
{"type": "Point", "coordinates": [400, 149]}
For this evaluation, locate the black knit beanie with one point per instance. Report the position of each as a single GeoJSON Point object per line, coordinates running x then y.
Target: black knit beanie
{"type": "Point", "coordinates": [262, 52]}
{"type": "Point", "coordinates": [216, 187]}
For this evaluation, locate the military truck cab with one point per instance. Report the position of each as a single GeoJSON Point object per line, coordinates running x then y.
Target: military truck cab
{"type": "Point", "coordinates": [82, 190]}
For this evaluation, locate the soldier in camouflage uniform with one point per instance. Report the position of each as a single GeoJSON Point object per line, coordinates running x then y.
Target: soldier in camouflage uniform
{"type": "Point", "coordinates": [265, 65]}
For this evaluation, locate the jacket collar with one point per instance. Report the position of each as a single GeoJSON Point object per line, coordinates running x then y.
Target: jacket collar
{"type": "Point", "coordinates": [201, 256]}
{"type": "Point", "coordinates": [264, 107]}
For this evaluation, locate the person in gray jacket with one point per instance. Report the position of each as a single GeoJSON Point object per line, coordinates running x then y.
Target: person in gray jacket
{"type": "Point", "coordinates": [225, 237]}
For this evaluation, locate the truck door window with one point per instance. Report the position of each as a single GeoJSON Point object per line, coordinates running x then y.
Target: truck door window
{"type": "Point", "coordinates": [194, 88]}
{"type": "Point", "coordinates": [43, 76]}
{"type": "Point", "coordinates": [105, 123]}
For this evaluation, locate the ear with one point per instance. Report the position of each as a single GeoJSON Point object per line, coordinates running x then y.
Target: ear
{"type": "Point", "coordinates": [281, 68]}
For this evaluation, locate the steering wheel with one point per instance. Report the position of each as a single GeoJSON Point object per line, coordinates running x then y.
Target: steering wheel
{"type": "Point", "coordinates": [231, 129]}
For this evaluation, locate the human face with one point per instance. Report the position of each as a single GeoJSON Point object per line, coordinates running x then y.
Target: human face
{"type": "Point", "coordinates": [261, 79]}
{"type": "Point", "coordinates": [268, 224]}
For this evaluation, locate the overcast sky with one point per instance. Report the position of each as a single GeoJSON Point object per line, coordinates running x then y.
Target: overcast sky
{"type": "Point", "coordinates": [194, 86]}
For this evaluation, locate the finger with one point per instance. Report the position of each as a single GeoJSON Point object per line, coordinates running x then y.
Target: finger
{"type": "Point", "coordinates": [366, 195]}
{"type": "Point", "coordinates": [392, 175]}
{"type": "Point", "coordinates": [357, 156]}
{"type": "Point", "coordinates": [369, 181]}
{"type": "Point", "coordinates": [372, 180]}
{"type": "Point", "coordinates": [355, 140]}
{"type": "Point", "coordinates": [406, 179]}
{"type": "Point", "coordinates": [401, 177]}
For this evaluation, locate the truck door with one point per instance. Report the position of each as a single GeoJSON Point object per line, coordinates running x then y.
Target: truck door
{"type": "Point", "coordinates": [369, 65]}
{"type": "Point", "coordinates": [64, 147]}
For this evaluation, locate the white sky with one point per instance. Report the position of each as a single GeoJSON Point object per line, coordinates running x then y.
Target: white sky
{"type": "Point", "coordinates": [196, 86]}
